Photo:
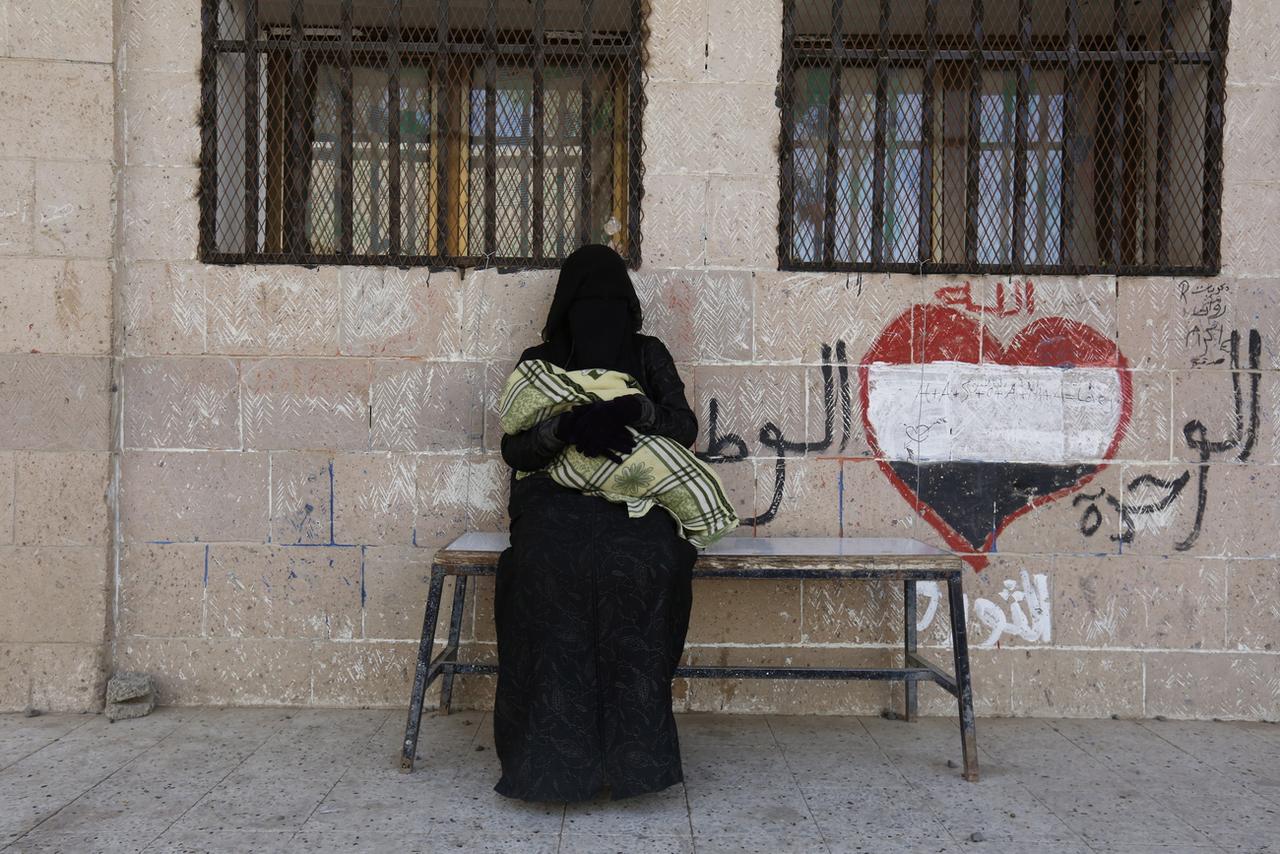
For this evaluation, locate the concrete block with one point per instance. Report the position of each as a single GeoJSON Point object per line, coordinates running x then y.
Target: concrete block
{"type": "Point", "coordinates": [67, 677]}
{"type": "Point", "coordinates": [163, 308]}
{"type": "Point", "coordinates": [1253, 617]}
{"type": "Point", "coordinates": [396, 583]}
{"type": "Point", "coordinates": [74, 209]}
{"type": "Point", "coordinates": [273, 310]}
{"type": "Point", "coordinates": [55, 306]}
{"type": "Point", "coordinates": [181, 402]}
{"type": "Point", "coordinates": [1253, 210]}
{"type": "Point", "coordinates": [1068, 683]}
{"type": "Point", "coordinates": [444, 499]}
{"type": "Point", "coordinates": [390, 312]}
{"type": "Point", "coordinates": [810, 499]}
{"type": "Point", "coordinates": [1207, 397]}
{"type": "Point", "coordinates": [504, 312]}
{"type": "Point", "coordinates": [701, 315]}
{"type": "Point", "coordinates": [495, 377]}
{"type": "Point", "coordinates": [745, 612]}
{"type": "Point", "coordinates": [161, 214]}
{"type": "Point", "coordinates": [742, 222]}
{"type": "Point", "coordinates": [130, 695]}
{"type": "Point", "coordinates": [1252, 118]}
{"type": "Point", "coordinates": [1178, 323]}
{"type": "Point", "coordinates": [1235, 522]}
{"type": "Point", "coordinates": [852, 612]}
{"type": "Point", "coordinates": [769, 696]}
{"type": "Point", "coordinates": [1090, 301]}
{"type": "Point", "coordinates": [675, 220]}
{"type": "Point", "coordinates": [1159, 603]}
{"type": "Point", "coordinates": [184, 497]}
{"type": "Point", "coordinates": [1253, 37]}
{"type": "Point", "coordinates": [1080, 523]}
{"type": "Point", "coordinates": [161, 116]}
{"type": "Point", "coordinates": [427, 406]}
{"type": "Point", "coordinates": [302, 498]}
{"type": "Point", "coordinates": [60, 498]}
{"type": "Point", "coordinates": [364, 674]}
{"type": "Point", "coordinates": [1231, 686]}
{"type": "Point", "coordinates": [1149, 436]}
{"type": "Point", "coordinates": [17, 211]}
{"type": "Point", "coordinates": [79, 31]}
{"type": "Point", "coordinates": [7, 484]}
{"type": "Point", "coordinates": [747, 398]}
{"type": "Point", "coordinates": [1008, 605]}
{"type": "Point", "coordinates": [488, 488]}
{"type": "Point", "coordinates": [57, 595]}
{"type": "Point", "coordinates": [739, 480]}
{"type": "Point", "coordinates": [268, 591]}
{"type": "Point", "coordinates": [61, 107]}
{"type": "Point", "coordinates": [223, 672]}
{"type": "Point", "coordinates": [991, 671]}
{"type": "Point", "coordinates": [797, 314]}
{"type": "Point", "coordinates": [161, 35]}
{"type": "Point", "coordinates": [677, 42]}
{"type": "Point", "coordinates": [700, 129]}
{"type": "Point", "coordinates": [54, 402]}
{"type": "Point", "coordinates": [744, 47]}
{"type": "Point", "coordinates": [482, 591]}
{"type": "Point", "coordinates": [161, 590]}
{"type": "Point", "coordinates": [374, 498]}
{"type": "Point", "coordinates": [306, 404]}
{"type": "Point", "coordinates": [1256, 303]}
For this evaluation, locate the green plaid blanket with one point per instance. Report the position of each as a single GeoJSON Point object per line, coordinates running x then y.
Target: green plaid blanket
{"type": "Point", "coordinates": [659, 471]}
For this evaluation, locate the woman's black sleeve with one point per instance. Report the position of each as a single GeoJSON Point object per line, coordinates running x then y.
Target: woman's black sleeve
{"type": "Point", "coordinates": [532, 449]}
{"type": "Point", "coordinates": [670, 414]}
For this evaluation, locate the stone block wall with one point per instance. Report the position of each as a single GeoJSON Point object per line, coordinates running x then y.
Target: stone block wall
{"type": "Point", "coordinates": [292, 444]}
{"type": "Point", "coordinates": [57, 210]}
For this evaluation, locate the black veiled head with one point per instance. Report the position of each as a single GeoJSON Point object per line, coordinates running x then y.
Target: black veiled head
{"type": "Point", "coordinates": [593, 271]}
{"type": "Point", "coordinates": [595, 311]}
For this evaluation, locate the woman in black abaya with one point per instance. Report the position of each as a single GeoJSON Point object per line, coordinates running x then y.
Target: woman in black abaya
{"type": "Point", "coordinates": [592, 607]}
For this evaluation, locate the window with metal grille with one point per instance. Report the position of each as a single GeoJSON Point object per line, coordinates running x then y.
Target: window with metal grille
{"type": "Point", "coordinates": [432, 132]}
{"type": "Point", "coordinates": [1002, 136]}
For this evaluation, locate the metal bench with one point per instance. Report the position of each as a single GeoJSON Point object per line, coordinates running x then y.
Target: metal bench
{"type": "Point", "coordinates": [826, 558]}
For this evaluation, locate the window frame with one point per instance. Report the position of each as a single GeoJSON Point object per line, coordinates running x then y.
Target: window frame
{"type": "Point", "coordinates": [1072, 54]}
{"type": "Point", "coordinates": [464, 52]}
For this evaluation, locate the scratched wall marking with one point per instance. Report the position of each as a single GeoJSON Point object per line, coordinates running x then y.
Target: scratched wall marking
{"type": "Point", "coordinates": [1013, 413]}
{"type": "Point", "coordinates": [255, 309]}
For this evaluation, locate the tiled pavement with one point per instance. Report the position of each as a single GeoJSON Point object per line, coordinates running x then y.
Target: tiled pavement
{"type": "Point", "coordinates": [254, 780]}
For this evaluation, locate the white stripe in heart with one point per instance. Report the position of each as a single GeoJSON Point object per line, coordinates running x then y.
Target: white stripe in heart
{"type": "Point", "coordinates": [961, 411]}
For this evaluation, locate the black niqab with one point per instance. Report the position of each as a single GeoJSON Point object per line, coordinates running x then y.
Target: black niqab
{"type": "Point", "coordinates": [594, 314]}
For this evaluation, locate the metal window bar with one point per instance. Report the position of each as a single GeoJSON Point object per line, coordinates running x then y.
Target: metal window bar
{"type": "Point", "coordinates": [420, 134]}
{"type": "Point", "coordinates": [1102, 156]}
{"type": "Point", "coordinates": [879, 131]}
{"type": "Point", "coordinates": [833, 132]}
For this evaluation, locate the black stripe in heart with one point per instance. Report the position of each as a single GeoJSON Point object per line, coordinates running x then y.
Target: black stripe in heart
{"type": "Point", "coordinates": [975, 498]}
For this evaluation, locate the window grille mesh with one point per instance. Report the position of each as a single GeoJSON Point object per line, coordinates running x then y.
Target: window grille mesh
{"type": "Point", "coordinates": [428, 132]}
{"type": "Point", "coordinates": [1063, 136]}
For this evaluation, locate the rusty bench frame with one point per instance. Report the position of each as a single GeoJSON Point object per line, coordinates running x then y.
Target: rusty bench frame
{"type": "Point", "coordinates": [931, 565]}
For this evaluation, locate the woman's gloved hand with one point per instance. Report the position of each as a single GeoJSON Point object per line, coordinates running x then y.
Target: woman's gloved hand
{"type": "Point", "coordinates": [626, 409]}
{"type": "Point", "coordinates": [597, 430]}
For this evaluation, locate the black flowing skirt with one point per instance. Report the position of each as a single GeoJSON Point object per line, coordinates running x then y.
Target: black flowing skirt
{"type": "Point", "coordinates": [591, 611]}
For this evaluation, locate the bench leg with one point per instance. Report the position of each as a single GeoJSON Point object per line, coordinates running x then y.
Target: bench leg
{"type": "Point", "coordinates": [912, 708]}
{"type": "Point", "coordinates": [420, 680]}
{"type": "Point", "coordinates": [455, 633]}
{"type": "Point", "coordinates": [960, 650]}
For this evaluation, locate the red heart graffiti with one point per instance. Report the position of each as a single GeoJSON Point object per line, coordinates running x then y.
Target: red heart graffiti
{"type": "Point", "coordinates": [970, 501]}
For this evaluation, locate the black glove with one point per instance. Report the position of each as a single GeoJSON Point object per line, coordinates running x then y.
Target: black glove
{"type": "Point", "coordinates": [567, 422]}
{"type": "Point", "coordinates": [598, 431]}
{"type": "Point", "coordinates": [627, 409]}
